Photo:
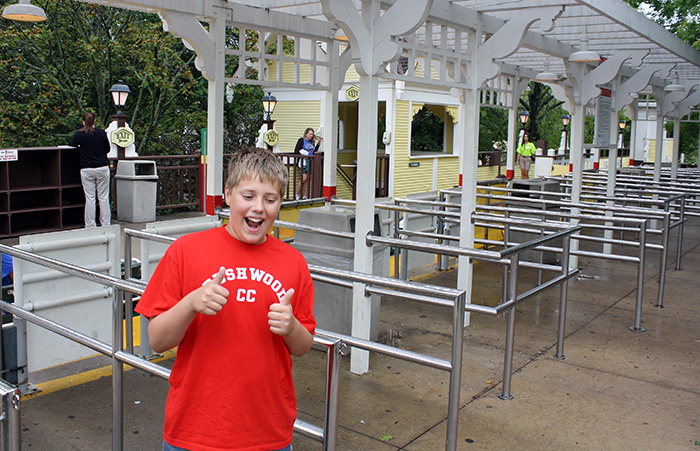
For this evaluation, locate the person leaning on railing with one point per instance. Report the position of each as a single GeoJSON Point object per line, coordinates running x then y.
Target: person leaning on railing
{"type": "Point", "coordinates": [306, 145]}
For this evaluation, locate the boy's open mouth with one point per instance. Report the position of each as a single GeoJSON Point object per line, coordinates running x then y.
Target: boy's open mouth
{"type": "Point", "coordinates": [254, 223]}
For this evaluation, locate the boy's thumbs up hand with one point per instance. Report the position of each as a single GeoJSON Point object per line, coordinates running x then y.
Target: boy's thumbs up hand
{"type": "Point", "coordinates": [281, 317]}
{"type": "Point", "coordinates": [211, 297]}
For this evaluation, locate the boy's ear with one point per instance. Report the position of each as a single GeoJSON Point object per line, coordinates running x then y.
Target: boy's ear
{"type": "Point", "coordinates": [227, 195]}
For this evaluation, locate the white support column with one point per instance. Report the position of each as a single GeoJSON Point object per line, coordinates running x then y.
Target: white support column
{"type": "Point", "coordinates": [612, 164]}
{"type": "Point", "coordinates": [470, 113]}
{"type": "Point", "coordinates": [676, 147]}
{"type": "Point", "coordinates": [631, 112]}
{"type": "Point", "coordinates": [633, 136]}
{"type": "Point", "coordinates": [513, 125]}
{"type": "Point", "coordinates": [364, 214]}
{"type": "Point", "coordinates": [659, 150]}
{"type": "Point", "coordinates": [391, 128]}
{"type": "Point", "coordinates": [369, 34]}
{"type": "Point", "coordinates": [577, 123]}
{"type": "Point", "coordinates": [329, 121]}
{"type": "Point", "coordinates": [215, 120]}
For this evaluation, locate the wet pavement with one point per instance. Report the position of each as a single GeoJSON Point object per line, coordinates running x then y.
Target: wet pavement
{"type": "Point", "coordinates": [616, 389]}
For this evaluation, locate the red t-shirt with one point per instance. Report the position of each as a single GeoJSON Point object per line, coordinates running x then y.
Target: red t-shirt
{"type": "Point", "coordinates": [231, 385]}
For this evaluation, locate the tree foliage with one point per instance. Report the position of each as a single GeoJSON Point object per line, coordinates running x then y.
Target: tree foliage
{"type": "Point", "coordinates": [50, 73]}
{"type": "Point", "coordinates": [427, 132]}
{"type": "Point", "coordinates": [545, 113]}
{"type": "Point", "coordinates": [680, 17]}
{"type": "Point", "coordinates": [493, 128]}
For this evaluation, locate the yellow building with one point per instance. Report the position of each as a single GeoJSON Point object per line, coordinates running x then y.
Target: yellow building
{"type": "Point", "coordinates": [411, 169]}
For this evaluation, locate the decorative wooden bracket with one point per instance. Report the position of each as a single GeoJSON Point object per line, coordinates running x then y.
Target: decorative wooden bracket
{"type": "Point", "coordinates": [638, 82]}
{"type": "Point", "coordinates": [370, 33]}
{"type": "Point", "coordinates": [509, 38]}
{"type": "Point", "coordinates": [672, 99]}
{"type": "Point", "coordinates": [607, 71]}
{"type": "Point", "coordinates": [686, 104]}
{"type": "Point", "coordinates": [195, 37]}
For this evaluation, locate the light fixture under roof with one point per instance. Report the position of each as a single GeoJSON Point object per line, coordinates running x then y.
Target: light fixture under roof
{"type": "Point", "coordinates": [584, 55]}
{"type": "Point", "coordinates": [24, 11]}
{"type": "Point", "coordinates": [546, 75]}
{"type": "Point", "coordinates": [674, 86]}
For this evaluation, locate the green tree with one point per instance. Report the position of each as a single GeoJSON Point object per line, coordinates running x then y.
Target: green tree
{"type": "Point", "coordinates": [493, 127]}
{"type": "Point", "coordinates": [427, 132]}
{"type": "Point", "coordinates": [545, 110]}
{"type": "Point", "coordinates": [51, 73]}
{"type": "Point", "coordinates": [681, 17]}
{"type": "Point", "coordinates": [243, 117]}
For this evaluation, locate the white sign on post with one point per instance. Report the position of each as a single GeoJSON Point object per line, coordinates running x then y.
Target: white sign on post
{"type": "Point", "coordinates": [8, 155]}
{"type": "Point", "coordinates": [602, 119]}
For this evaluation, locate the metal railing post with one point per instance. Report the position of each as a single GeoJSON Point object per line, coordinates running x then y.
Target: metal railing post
{"type": "Point", "coordinates": [664, 259]}
{"type": "Point", "coordinates": [510, 328]}
{"type": "Point", "coordinates": [11, 419]}
{"type": "Point", "coordinates": [398, 257]}
{"type": "Point", "coordinates": [506, 240]}
{"type": "Point", "coordinates": [563, 295]}
{"type": "Point", "coordinates": [330, 427]}
{"type": "Point", "coordinates": [128, 297]}
{"type": "Point", "coordinates": [456, 372]}
{"type": "Point", "coordinates": [640, 279]}
{"type": "Point", "coordinates": [442, 259]}
{"type": "Point", "coordinates": [681, 225]}
{"type": "Point", "coordinates": [117, 373]}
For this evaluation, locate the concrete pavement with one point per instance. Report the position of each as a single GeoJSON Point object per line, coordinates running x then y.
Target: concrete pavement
{"type": "Point", "coordinates": [616, 389]}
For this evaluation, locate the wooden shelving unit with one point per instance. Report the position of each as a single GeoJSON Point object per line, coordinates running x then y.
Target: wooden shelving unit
{"type": "Point", "coordinates": [41, 191]}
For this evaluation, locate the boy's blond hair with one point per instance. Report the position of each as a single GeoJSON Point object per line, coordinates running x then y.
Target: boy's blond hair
{"type": "Point", "coordinates": [257, 163]}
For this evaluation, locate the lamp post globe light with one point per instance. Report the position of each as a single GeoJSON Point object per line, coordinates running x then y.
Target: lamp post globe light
{"type": "Point", "coordinates": [269, 102]}
{"type": "Point", "coordinates": [120, 92]}
{"type": "Point", "coordinates": [565, 120]}
{"type": "Point", "coordinates": [622, 124]}
{"type": "Point", "coordinates": [524, 117]}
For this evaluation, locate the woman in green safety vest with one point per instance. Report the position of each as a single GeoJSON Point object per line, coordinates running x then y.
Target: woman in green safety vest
{"type": "Point", "coordinates": [525, 152]}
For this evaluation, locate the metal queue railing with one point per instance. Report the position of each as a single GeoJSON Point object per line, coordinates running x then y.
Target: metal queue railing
{"type": "Point", "coordinates": [431, 294]}
{"type": "Point", "coordinates": [508, 257]}
{"type": "Point", "coordinates": [671, 215]}
{"type": "Point", "coordinates": [636, 187]}
{"type": "Point", "coordinates": [441, 296]}
{"type": "Point", "coordinates": [641, 195]}
{"type": "Point", "coordinates": [594, 220]}
{"type": "Point", "coordinates": [447, 297]}
{"type": "Point", "coordinates": [676, 204]}
{"type": "Point", "coordinates": [635, 225]}
{"type": "Point", "coordinates": [122, 354]}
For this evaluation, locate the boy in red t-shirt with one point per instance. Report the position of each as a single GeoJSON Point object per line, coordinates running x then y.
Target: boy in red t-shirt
{"type": "Point", "coordinates": [237, 302]}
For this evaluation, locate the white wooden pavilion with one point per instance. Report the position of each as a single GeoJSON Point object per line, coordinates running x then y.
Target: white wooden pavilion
{"type": "Point", "coordinates": [484, 51]}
